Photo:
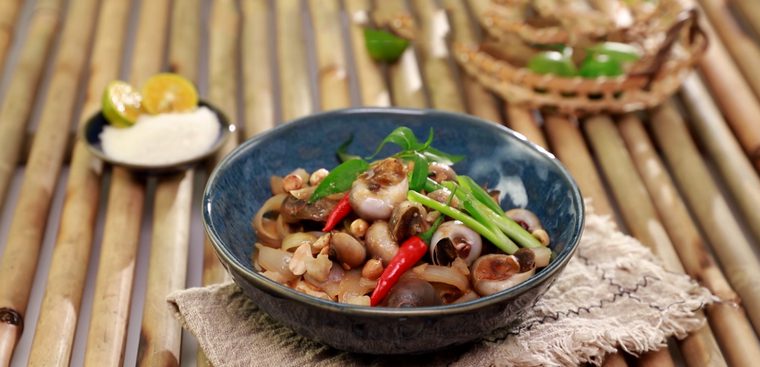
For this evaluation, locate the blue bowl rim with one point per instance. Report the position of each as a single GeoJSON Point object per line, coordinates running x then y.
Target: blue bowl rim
{"type": "Point", "coordinates": [274, 288]}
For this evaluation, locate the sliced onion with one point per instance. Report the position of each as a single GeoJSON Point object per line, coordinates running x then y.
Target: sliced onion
{"type": "Point", "coordinates": [319, 268]}
{"type": "Point", "coordinates": [489, 287]}
{"type": "Point", "coordinates": [305, 287]}
{"type": "Point", "coordinates": [275, 260]}
{"type": "Point", "coordinates": [284, 229]}
{"type": "Point", "coordinates": [461, 266]}
{"type": "Point", "coordinates": [442, 274]}
{"type": "Point", "coordinates": [265, 229]}
{"type": "Point", "coordinates": [303, 193]}
{"type": "Point", "coordinates": [294, 240]}
{"type": "Point", "coordinates": [446, 293]}
{"type": "Point", "coordinates": [277, 277]}
{"type": "Point", "coordinates": [542, 256]}
{"type": "Point", "coordinates": [353, 285]}
{"type": "Point", "coordinates": [275, 182]}
{"type": "Point", "coordinates": [467, 296]}
{"type": "Point", "coordinates": [332, 285]}
{"type": "Point", "coordinates": [358, 300]}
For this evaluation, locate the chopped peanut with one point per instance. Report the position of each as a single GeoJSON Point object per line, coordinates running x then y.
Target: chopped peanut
{"type": "Point", "coordinates": [317, 176]}
{"type": "Point", "coordinates": [372, 269]}
{"type": "Point", "coordinates": [300, 259]}
{"type": "Point", "coordinates": [322, 242]}
{"type": "Point", "coordinates": [319, 268]}
{"type": "Point", "coordinates": [358, 228]}
{"type": "Point", "coordinates": [292, 182]}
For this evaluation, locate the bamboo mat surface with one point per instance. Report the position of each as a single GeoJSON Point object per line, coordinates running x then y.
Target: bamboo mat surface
{"type": "Point", "coordinates": [89, 252]}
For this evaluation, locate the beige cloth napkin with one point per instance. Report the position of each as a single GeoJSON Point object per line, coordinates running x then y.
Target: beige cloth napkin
{"type": "Point", "coordinates": [613, 293]}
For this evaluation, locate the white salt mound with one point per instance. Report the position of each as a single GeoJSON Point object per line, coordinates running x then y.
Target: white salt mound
{"type": "Point", "coordinates": [162, 139]}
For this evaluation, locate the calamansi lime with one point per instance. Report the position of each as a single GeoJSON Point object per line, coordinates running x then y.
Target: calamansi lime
{"type": "Point", "coordinates": [121, 104]}
{"type": "Point", "coordinates": [168, 92]}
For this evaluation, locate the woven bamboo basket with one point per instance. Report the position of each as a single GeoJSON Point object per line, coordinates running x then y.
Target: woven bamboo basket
{"type": "Point", "coordinates": [669, 36]}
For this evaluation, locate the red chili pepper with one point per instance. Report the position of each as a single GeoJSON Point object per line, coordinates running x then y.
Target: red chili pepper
{"type": "Point", "coordinates": [339, 212]}
{"type": "Point", "coordinates": [410, 252]}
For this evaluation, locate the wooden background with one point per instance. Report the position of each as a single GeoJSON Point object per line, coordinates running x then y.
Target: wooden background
{"type": "Point", "coordinates": [89, 251]}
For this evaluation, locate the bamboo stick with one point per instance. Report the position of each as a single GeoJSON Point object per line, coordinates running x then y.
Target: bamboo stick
{"type": "Point", "coordinates": [8, 14]}
{"type": "Point", "coordinates": [658, 358]}
{"type": "Point", "coordinates": [28, 140]}
{"type": "Point", "coordinates": [59, 311]}
{"type": "Point", "coordinates": [641, 218]}
{"type": "Point", "coordinates": [222, 93]}
{"type": "Point", "coordinates": [161, 332]}
{"type": "Point", "coordinates": [223, 65]}
{"type": "Point", "coordinates": [19, 260]}
{"type": "Point", "coordinates": [113, 285]}
{"type": "Point", "coordinates": [434, 54]}
{"type": "Point", "coordinates": [19, 97]}
{"type": "Point", "coordinates": [732, 249]}
{"type": "Point", "coordinates": [731, 162]}
{"type": "Point", "coordinates": [404, 75]}
{"type": "Point", "coordinates": [524, 121]}
{"type": "Point", "coordinates": [730, 324]}
{"type": "Point", "coordinates": [568, 144]}
{"type": "Point", "coordinates": [733, 95]}
{"type": "Point", "coordinates": [743, 48]}
{"type": "Point", "coordinates": [750, 10]}
{"type": "Point", "coordinates": [291, 57]}
{"type": "Point", "coordinates": [480, 102]}
{"type": "Point", "coordinates": [259, 102]}
{"type": "Point", "coordinates": [478, 6]}
{"type": "Point", "coordinates": [160, 335]}
{"type": "Point", "coordinates": [614, 360]}
{"type": "Point", "coordinates": [332, 72]}
{"type": "Point", "coordinates": [628, 190]}
{"type": "Point", "coordinates": [372, 88]}
{"type": "Point", "coordinates": [184, 39]}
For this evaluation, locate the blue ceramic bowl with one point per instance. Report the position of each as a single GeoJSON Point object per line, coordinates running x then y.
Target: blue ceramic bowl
{"type": "Point", "coordinates": [528, 175]}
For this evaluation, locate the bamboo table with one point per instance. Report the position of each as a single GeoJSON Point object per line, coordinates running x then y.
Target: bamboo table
{"type": "Point", "coordinates": [89, 252]}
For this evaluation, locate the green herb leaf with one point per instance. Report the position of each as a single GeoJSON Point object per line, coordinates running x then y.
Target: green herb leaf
{"type": "Point", "coordinates": [427, 143]}
{"type": "Point", "coordinates": [339, 179]}
{"type": "Point", "coordinates": [435, 155]}
{"type": "Point", "coordinates": [419, 173]}
{"type": "Point", "coordinates": [343, 155]}
{"type": "Point", "coordinates": [401, 136]}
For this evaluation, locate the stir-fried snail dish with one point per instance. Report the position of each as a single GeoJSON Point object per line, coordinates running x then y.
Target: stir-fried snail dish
{"type": "Point", "coordinates": [401, 231]}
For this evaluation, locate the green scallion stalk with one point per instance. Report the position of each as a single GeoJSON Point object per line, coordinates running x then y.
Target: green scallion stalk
{"type": "Point", "coordinates": [480, 214]}
{"type": "Point", "coordinates": [476, 226]}
{"type": "Point", "coordinates": [472, 188]}
{"type": "Point", "coordinates": [512, 229]}
{"type": "Point", "coordinates": [504, 223]}
{"type": "Point", "coordinates": [431, 185]}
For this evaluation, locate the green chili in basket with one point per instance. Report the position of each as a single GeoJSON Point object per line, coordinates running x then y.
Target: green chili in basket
{"type": "Point", "coordinates": [384, 46]}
